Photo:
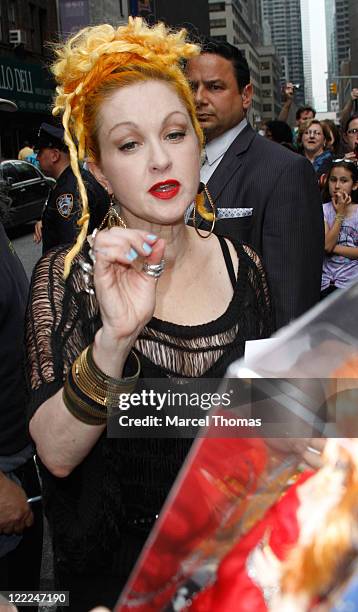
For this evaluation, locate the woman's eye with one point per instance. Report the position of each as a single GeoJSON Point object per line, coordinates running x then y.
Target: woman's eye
{"type": "Point", "coordinates": [128, 146]}
{"type": "Point", "coordinates": [176, 135]}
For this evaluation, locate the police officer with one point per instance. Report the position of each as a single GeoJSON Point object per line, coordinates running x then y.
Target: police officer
{"type": "Point", "coordinates": [62, 210]}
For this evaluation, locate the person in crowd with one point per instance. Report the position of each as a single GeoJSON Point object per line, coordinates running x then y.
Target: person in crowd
{"type": "Point", "coordinates": [301, 114]}
{"type": "Point", "coordinates": [25, 151]}
{"type": "Point", "coordinates": [350, 137]}
{"type": "Point", "coordinates": [32, 159]}
{"type": "Point", "coordinates": [20, 521]}
{"type": "Point", "coordinates": [265, 194]}
{"type": "Point", "coordinates": [128, 302]}
{"type": "Point", "coordinates": [334, 143]}
{"type": "Point", "coordinates": [340, 266]}
{"type": "Point", "coordinates": [279, 132]}
{"type": "Point", "coordinates": [62, 210]}
{"type": "Point", "coordinates": [312, 142]}
{"type": "Point", "coordinates": [351, 107]}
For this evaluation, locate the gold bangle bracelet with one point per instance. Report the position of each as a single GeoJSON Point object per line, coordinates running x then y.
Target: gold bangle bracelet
{"type": "Point", "coordinates": [99, 387]}
{"type": "Point", "coordinates": [80, 410]}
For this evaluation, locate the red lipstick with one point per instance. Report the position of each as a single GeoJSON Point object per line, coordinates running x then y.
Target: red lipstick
{"type": "Point", "coordinates": [165, 190]}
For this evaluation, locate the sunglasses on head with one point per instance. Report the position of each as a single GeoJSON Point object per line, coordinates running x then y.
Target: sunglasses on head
{"type": "Point", "coordinates": [346, 161]}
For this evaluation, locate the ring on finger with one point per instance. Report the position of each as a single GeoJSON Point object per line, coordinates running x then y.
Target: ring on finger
{"type": "Point", "coordinates": [153, 270]}
{"type": "Point", "coordinates": [93, 251]}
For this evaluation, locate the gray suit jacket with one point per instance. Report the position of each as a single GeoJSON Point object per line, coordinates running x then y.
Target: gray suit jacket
{"type": "Point", "coordinates": [285, 223]}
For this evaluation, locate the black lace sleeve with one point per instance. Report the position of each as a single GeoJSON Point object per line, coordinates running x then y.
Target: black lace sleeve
{"type": "Point", "coordinates": [261, 303]}
{"type": "Point", "coordinates": [61, 321]}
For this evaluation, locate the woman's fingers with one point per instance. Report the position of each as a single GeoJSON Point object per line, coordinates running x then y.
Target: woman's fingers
{"type": "Point", "coordinates": [123, 246]}
{"type": "Point", "coordinates": [154, 265]}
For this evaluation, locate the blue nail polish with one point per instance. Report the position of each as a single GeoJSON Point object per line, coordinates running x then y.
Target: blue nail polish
{"type": "Point", "coordinates": [151, 237]}
{"type": "Point", "coordinates": [132, 255]}
{"type": "Point", "coordinates": [146, 248]}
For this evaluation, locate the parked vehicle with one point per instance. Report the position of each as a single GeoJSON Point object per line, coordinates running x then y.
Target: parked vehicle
{"type": "Point", "coordinates": [28, 189]}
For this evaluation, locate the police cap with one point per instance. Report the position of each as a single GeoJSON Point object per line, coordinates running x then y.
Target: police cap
{"type": "Point", "coordinates": [51, 137]}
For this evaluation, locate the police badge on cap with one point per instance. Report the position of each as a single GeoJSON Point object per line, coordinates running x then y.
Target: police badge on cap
{"type": "Point", "coordinates": [64, 204]}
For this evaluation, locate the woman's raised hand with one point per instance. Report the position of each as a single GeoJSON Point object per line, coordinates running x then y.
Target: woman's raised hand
{"type": "Point", "coordinates": [125, 293]}
{"type": "Point", "coordinates": [341, 201]}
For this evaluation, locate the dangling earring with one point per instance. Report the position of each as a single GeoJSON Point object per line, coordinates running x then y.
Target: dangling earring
{"type": "Point", "coordinates": [112, 218]}
{"type": "Point", "coordinates": [199, 206]}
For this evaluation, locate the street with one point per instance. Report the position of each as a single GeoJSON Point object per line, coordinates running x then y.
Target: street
{"type": "Point", "coordinates": [28, 252]}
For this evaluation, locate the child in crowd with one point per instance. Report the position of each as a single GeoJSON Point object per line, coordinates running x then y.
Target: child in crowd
{"type": "Point", "coordinates": [340, 266]}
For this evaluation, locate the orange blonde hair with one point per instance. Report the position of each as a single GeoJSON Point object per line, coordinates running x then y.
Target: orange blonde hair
{"type": "Point", "coordinates": [97, 61]}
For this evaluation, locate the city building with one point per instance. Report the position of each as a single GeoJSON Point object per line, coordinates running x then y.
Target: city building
{"type": "Point", "coordinates": [353, 35]}
{"type": "Point", "coordinates": [239, 23]}
{"type": "Point", "coordinates": [282, 28]}
{"type": "Point", "coordinates": [194, 16]}
{"type": "Point", "coordinates": [332, 57]}
{"type": "Point", "coordinates": [231, 21]}
{"type": "Point", "coordinates": [77, 14]}
{"type": "Point", "coordinates": [25, 29]}
{"type": "Point", "coordinates": [254, 7]}
{"type": "Point", "coordinates": [342, 31]}
{"type": "Point", "coordinates": [341, 26]}
{"type": "Point", "coordinates": [270, 73]}
{"type": "Point", "coordinates": [306, 49]}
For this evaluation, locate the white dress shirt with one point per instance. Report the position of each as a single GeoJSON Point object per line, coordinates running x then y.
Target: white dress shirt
{"type": "Point", "coordinates": [216, 149]}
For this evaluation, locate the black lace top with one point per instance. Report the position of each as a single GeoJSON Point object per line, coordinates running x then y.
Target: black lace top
{"type": "Point", "coordinates": [121, 481]}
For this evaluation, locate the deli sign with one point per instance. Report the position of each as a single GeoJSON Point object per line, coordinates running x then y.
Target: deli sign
{"type": "Point", "coordinates": [29, 85]}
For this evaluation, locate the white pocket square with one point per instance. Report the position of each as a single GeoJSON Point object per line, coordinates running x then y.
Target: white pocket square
{"type": "Point", "coordinates": [233, 213]}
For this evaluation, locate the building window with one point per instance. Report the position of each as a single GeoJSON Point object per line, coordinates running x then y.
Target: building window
{"type": "Point", "coordinates": [267, 108]}
{"type": "Point", "coordinates": [266, 93]}
{"type": "Point", "coordinates": [265, 65]}
{"type": "Point", "coordinates": [220, 38]}
{"type": "Point", "coordinates": [218, 23]}
{"type": "Point", "coordinates": [217, 6]}
{"type": "Point", "coordinates": [265, 79]}
{"type": "Point", "coordinates": [12, 13]}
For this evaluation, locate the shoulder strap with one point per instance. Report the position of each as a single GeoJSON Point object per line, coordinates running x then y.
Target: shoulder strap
{"type": "Point", "coordinates": [228, 260]}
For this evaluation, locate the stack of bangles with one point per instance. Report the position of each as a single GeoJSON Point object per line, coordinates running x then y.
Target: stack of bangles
{"type": "Point", "coordinates": [339, 217]}
{"type": "Point", "coordinates": [88, 393]}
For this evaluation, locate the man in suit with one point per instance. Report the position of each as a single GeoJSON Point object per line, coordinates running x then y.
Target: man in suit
{"type": "Point", "coordinates": [264, 194]}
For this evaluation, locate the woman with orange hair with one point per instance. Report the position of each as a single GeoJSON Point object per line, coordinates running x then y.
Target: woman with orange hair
{"type": "Point", "coordinates": [123, 303]}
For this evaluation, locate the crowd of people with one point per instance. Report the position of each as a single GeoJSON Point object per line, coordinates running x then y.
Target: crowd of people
{"type": "Point", "coordinates": [183, 200]}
